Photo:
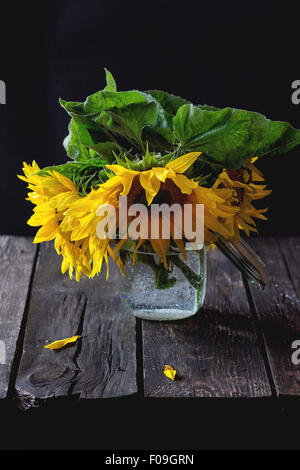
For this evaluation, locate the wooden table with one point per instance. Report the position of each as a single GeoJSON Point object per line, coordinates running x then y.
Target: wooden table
{"type": "Point", "coordinates": [238, 345]}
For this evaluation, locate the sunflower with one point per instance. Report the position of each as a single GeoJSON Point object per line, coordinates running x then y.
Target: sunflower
{"type": "Point", "coordinates": [52, 194]}
{"type": "Point", "coordinates": [72, 219]}
{"type": "Point", "coordinates": [247, 185]}
{"type": "Point", "coordinates": [158, 185]}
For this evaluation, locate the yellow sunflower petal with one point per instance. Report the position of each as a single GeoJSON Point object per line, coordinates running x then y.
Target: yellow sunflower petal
{"type": "Point", "coordinates": [170, 372]}
{"type": "Point", "coordinates": [62, 342]}
{"type": "Point", "coordinates": [30, 169]}
{"type": "Point", "coordinates": [120, 170]}
{"type": "Point", "coordinates": [127, 182]}
{"type": "Point", "coordinates": [47, 232]}
{"type": "Point", "coordinates": [185, 184]}
{"type": "Point", "coordinates": [64, 265]}
{"type": "Point", "coordinates": [41, 218]}
{"type": "Point", "coordinates": [65, 181]}
{"type": "Point", "coordinates": [161, 173]}
{"type": "Point", "coordinates": [150, 183]}
{"type": "Point", "coordinates": [181, 164]}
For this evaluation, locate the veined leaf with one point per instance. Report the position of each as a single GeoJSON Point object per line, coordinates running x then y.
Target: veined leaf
{"type": "Point", "coordinates": [71, 169]}
{"type": "Point", "coordinates": [106, 150]}
{"type": "Point", "coordinates": [110, 82]}
{"type": "Point", "coordinates": [88, 135]}
{"type": "Point", "coordinates": [85, 175]}
{"type": "Point", "coordinates": [73, 145]}
{"type": "Point", "coordinates": [281, 137]}
{"type": "Point", "coordinates": [111, 122]}
{"type": "Point", "coordinates": [228, 136]}
{"type": "Point", "coordinates": [159, 139]}
{"type": "Point", "coordinates": [170, 103]}
{"type": "Point", "coordinates": [104, 100]}
{"type": "Point", "coordinates": [101, 101]}
{"type": "Point", "coordinates": [130, 121]}
{"type": "Point", "coordinates": [72, 106]}
{"type": "Point", "coordinates": [159, 136]}
{"type": "Point", "coordinates": [168, 106]}
{"type": "Point", "coordinates": [206, 107]}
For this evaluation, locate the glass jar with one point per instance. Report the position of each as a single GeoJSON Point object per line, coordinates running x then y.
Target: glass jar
{"type": "Point", "coordinates": [151, 292]}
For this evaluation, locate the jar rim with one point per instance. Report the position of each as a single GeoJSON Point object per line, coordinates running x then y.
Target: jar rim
{"type": "Point", "coordinates": [172, 251]}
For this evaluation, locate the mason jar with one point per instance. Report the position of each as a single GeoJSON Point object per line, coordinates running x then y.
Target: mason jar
{"type": "Point", "coordinates": [151, 292]}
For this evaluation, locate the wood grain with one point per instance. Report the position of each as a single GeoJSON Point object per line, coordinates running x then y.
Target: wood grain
{"type": "Point", "coordinates": [17, 258]}
{"type": "Point", "coordinates": [216, 353]}
{"type": "Point", "coordinates": [102, 363]}
{"type": "Point", "coordinates": [107, 359]}
{"type": "Point", "coordinates": [278, 309]}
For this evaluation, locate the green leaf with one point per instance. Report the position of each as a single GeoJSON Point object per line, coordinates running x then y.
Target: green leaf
{"type": "Point", "coordinates": [170, 103]}
{"type": "Point", "coordinates": [129, 121]}
{"type": "Point", "coordinates": [85, 175]}
{"type": "Point", "coordinates": [160, 135]}
{"type": "Point", "coordinates": [105, 100]}
{"type": "Point", "coordinates": [108, 123]}
{"type": "Point", "coordinates": [228, 136]}
{"type": "Point", "coordinates": [72, 143]}
{"type": "Point", "coordinates": [101, 101]}
{"type": "Point", "coordinates": [71, 169]}
{"type": "Point", "coordinates": [159, 139]}
{"type": "Point", "coordinates": [87, 140]}
{"type": "Point", "coordinates": [110, 81]}
{"type": "Point", "coordinates": [106, 150]}
{"type": "Point", "coordinates": [280, 138]}
{"type": "Point", "coordinates": [72, 106]}
{"type": "Point", "coordinates": [206, 107]}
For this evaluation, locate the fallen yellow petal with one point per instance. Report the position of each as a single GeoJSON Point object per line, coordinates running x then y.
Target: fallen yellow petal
{"type": "Point", "coordinates": [62, 342]}
{"type": "Point", "coordinates": [170, 372]}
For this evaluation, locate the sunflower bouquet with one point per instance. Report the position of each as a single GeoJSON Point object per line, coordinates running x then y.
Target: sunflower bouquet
{"type": "Point", "coordinates": [154, 148]}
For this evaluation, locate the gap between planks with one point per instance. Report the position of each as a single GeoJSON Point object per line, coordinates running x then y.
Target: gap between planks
{"type": "Point", "coordinates": [19, 346]}
{"type": "Point", "coordinates": [18, 256]}
{"type": "Point", "coordinates": [283, 246]}
{"type": "Point", "coordinates": [100, 365]}
{"type": "Point", "coordinates": [278, 310]}
{"type": "Point", "coordinates": [260, 335]}
{"type": "Point", "coordinates": [216, 352]}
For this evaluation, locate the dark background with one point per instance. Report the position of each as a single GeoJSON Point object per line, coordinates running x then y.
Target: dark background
{"type": "Point", "coordinates": [241, 54]}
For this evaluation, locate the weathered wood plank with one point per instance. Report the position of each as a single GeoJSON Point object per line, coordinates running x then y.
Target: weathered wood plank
{"type": "Point", "coordinates": [278, 309]}
{"type": "Point", "coordinates": [102, 363]}
{"type": "Point", "coordinates": [17, 258]}
{"type": "Point", "coordinates": [107, 357]}
{"type": "Point", "coordinates": [216, 353]}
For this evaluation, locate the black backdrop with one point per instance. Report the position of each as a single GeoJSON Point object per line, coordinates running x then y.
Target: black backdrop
{"type": "Point", "coordinates": [241, 54]}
